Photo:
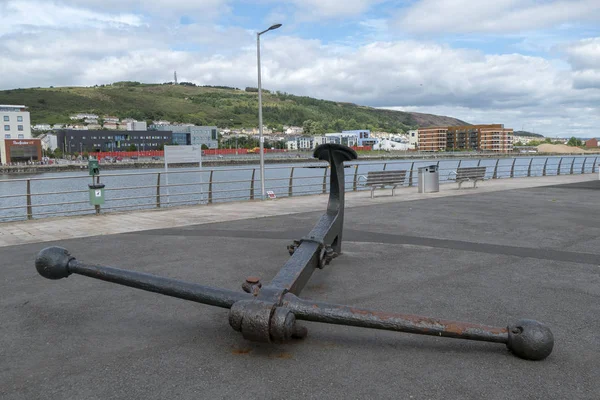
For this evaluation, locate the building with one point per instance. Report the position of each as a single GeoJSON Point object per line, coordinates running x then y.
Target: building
{"type": "Point", "coordinates": [136, 125]}
{"type": "Point", "coordinates": [83, 116]}
{"type": "Point", "coordinates": [593, 142]}
{"type": "Point", "coordinates": [347, 139]}
{"type": "Point", "coordinates": [495, 138]}
{"type": "Point", "coordinates": [363, 137]}
{"type": "Point", "coordinates": [73, 141]}
{"type": "Point", "coordinates": [292, 144]}
{"type": "Point", "coordinates": [111, 125]}
{"type": "Point", "coordinates": [17, 144]}
{"type": "Point", "coordinates": [109, 118]}
{"type": "Point", "coordinates": [432, 139]}
{"type": "Point", "coordinates": [413, 139]}
{"type": "Point", "coordinates": [49, 141]}
{"type": "Point", "coordinates": [390, 145]}
{"type": "Point", "coordinates": [492, 137]}
{"type": "Point", "coordinates": [293, 130]}
{"type": "Point", "coordinates": [41, 127]}
{"type": "Point", "coordinates": [191, 135]}
{"type": "Point", "coordinates": [318, 140]}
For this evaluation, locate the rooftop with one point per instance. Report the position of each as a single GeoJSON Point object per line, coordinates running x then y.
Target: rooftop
{"type": "Point", "coordinates": [12, 106]}
{"type": "Point", "coordinates": [510, 249]}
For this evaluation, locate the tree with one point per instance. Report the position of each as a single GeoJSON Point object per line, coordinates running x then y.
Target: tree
{"type": "Point", "coordinates": [132, 147]}
{"type": "Point", "coordinates": [310, 127]}
{"type": "Point", "coordinates": [574, 142]}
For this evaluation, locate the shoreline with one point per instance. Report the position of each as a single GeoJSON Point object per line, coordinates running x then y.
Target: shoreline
{"type": "Point", "coordinates": [39, 169]}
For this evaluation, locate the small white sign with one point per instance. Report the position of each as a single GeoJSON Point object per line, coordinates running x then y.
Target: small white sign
{"type": "Point", "coordinates": [271, 194]}
{"type": "Point", "coordinates": [98, 193]}
{"type": "Point", "coordinates": [183, 154]}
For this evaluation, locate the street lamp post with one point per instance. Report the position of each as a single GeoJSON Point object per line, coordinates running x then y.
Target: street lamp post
{"type": "Point", "coordinates": [260, 122]}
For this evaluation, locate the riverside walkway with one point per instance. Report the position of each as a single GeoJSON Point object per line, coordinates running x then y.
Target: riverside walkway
{"type": "Point", "coordinates": [510, 249]}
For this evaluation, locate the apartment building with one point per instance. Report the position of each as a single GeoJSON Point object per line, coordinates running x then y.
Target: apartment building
{"type": "Point", "coordinates": [492, 137]}
{"type": "Point", "coordinates": [496, 138]}
{"type": "Point", "coordinates": [433, 139]}
{"type": "Point", "coordinates": [17, 144]}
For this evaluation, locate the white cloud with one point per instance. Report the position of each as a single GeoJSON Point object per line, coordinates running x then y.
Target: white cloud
{"type": "Point", "coordinates": [26, 15]}
{"type": "Point", "coordinates": [584, 57]}
{"type": "Point", "coordinates": [498, 16]}
{"type": "Point", "coordinates": [199, 8]}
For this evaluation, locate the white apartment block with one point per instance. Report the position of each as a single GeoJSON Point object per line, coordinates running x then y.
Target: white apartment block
{"type": "Point", "coordinates": [15, 124]}
{"type": "Point", "coordinates": [318, 140]}
{"type": "Point", "coordinates": [291, 145]}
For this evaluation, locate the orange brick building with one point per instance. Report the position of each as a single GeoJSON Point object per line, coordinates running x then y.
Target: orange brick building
{"type": "Point", "coordinates": [469, 137]}
{"type": "Point", "coordinates": [433, 139]}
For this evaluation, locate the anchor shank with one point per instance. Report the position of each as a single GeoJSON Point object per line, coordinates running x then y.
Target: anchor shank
{"type": "Point", "coordinates": [296, 272]}
{"type": "Point", "coordinates": [328, 230]}
{"type": "Point", "coordinates": [152, 283]}
{"type": "Point", "coordinates": [344, 315]}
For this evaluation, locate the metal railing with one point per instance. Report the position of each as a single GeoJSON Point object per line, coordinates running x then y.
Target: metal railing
{"type": "Point", "coordinates": [68, 195]}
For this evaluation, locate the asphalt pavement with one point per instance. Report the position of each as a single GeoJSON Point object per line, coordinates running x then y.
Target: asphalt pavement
{"type": "Point", "coordinates": [486, 257]}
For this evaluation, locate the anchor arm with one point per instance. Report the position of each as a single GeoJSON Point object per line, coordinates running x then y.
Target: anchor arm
{"type": "Point", "coordinates": [528, 339]}
{"type": "Point", "coordinates": [57, 263]}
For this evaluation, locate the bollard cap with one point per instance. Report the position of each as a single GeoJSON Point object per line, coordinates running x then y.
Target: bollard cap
{"type": "Point", "coordinates": [53, 262]}
{"type": "Point", "coordinates": [530, 340]}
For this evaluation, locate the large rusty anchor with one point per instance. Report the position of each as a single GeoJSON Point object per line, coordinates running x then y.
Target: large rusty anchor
{"type": "Point", "coordinates": [269, 313]}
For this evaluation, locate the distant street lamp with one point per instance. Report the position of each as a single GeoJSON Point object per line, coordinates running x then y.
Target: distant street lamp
{"type": "Point", "coordinates": [260, 122]}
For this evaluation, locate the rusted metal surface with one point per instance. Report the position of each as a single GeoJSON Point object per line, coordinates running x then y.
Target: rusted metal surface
{"type": "Point", "coordinates": [345, 315]}
{"type": "Point", "coordinates": [270, 313]}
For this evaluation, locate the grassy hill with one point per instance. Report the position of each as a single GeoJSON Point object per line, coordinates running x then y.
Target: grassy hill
{"type": "Point", "coordinates": [525, 133]}
{"type": "Point", "coordinates": [221, 106]}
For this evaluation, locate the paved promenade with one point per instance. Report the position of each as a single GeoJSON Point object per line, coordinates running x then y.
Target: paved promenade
{"type": "Point", "coordinates": [49, 229]}
{"type": "Point", "coordinates": [512, 249]}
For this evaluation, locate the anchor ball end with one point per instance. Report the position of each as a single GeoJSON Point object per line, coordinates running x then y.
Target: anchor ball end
{"type": "Point", "coordinates": [53, 263]}
{"type": "Point", "coordinates": [530, 340]}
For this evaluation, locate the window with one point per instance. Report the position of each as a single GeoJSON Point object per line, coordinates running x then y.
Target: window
{"type": "Point", "coordinates": [7, 136]}
{"type": "Point", "coordinates": [20, 127]}
{"type": "Point", "coordinates": [21, 136]}
{"type": "Point", "coordinates": [19, 118]}
{"type": "Point", "coordinates": [6, 118]}
{"type": "Point", "coordinates": [7, 127]}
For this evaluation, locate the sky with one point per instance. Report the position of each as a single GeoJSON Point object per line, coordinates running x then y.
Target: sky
{"type": "Point", "coordinates": [531, 65]}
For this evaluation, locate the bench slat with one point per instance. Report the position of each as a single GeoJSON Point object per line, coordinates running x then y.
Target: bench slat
{"type": "Point", "coordinates": [384, 178]}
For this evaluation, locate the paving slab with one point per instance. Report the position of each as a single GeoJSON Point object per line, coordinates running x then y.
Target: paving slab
{"type": "Point", "coordinates": [487, 257]}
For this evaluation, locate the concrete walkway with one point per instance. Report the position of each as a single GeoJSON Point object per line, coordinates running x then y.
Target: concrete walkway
{"type": "Point", "coordinates": [60, 228]}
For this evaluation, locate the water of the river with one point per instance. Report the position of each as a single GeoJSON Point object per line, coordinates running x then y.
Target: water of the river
{"type": "Point", "coordinates": [69, 191]}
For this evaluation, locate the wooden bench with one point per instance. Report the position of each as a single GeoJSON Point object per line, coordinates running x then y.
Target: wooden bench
{"type": "Point", "coordinates": [381, 179]}
{"type": "Point", "coordinates": [473, 174]}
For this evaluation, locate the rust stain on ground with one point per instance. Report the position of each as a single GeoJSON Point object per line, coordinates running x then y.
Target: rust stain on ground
{"type": "Point", "coordinates": [284, 356]}
{"type": "Point", "coordinates": [241, 351]}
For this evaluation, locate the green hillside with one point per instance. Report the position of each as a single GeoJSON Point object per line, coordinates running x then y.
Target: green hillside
{"type": "Point", "coordinates": [221, 106]}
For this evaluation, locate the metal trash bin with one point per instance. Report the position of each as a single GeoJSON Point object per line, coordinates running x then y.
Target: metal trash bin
{"type": "Point", "coordinates": [429, 179]}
